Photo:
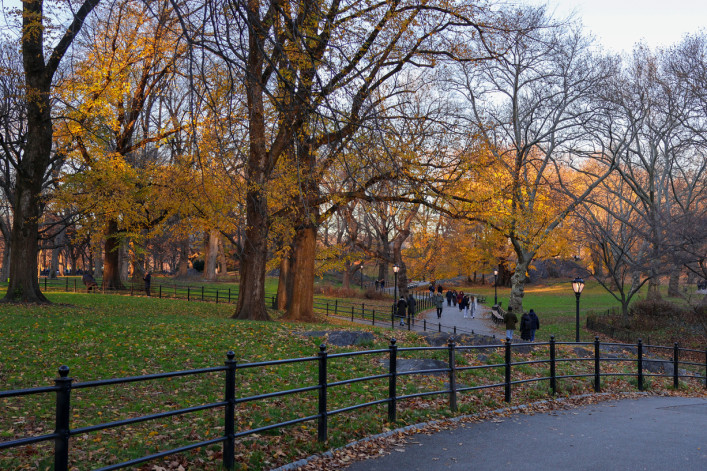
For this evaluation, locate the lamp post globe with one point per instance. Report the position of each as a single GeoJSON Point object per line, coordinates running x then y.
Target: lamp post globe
{"type": "Point", "coordinates": [577, 287]}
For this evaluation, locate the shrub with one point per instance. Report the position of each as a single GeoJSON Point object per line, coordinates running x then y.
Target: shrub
{"type": "Point", "coordinates": [335, 291]}
{"type": "Point", "coordinates": [374, 294]}
{"type": "Point", "coordinates": [198, 265]}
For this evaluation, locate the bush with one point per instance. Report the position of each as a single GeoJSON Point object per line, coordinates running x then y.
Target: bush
{"type": "Point", "coordinates": [375, 294]}
{"type": "Point", "coordinates": [198, 265]}
{"type": "Point", "coordinates": [655, 309]}
{"type": "Point", "coordinates": [335, 291]}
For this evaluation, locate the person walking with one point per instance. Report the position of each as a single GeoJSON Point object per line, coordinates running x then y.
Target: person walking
{"type": "Point", "coordinates": [511, 320]}
{"type": "Point", "coordinates": [454, 298]}
{"type": "Point", "coordinates": [460, 299]}
{"type": "Point", "coordinates": [473, 306]}
{"type": "Point", "coordinates": [402, 309]}
{"type": "Point", "coordinates": [411, 309]}
{"type": "Point", "coordinates": [535, 324]}
{"type": "Point", "coordinates": [449, 297]}
{"type": "Point", "coordinates": [147, 279]}
{"type": "Point", "coordinates": [439, 304]}
{"type": "Point", "coordinates": [525, 324]}
{"type": "Point", "coordinates": [467, 302]}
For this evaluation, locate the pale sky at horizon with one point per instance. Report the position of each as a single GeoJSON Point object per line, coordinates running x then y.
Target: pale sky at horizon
{"type": "Point", "coordinates": [619, 24]}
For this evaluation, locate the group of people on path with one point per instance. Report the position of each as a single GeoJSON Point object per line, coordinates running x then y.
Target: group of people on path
{"type": "Point", "coordinates": [529, 323]}
{"type": "Point", "coordinates": [406, 307]}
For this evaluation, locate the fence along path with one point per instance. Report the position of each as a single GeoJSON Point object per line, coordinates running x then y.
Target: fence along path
{"type": "Point", "coordinates": [390, 393]}
{"type": "Point", "coordinates": [452, 320]}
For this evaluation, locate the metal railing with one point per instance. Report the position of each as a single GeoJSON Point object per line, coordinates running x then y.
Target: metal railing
{"type": "Point", "coordinates": [64, 385]}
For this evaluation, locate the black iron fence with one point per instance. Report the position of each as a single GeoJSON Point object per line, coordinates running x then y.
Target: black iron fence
{"type": "Point", "coordinates": [64, 386]}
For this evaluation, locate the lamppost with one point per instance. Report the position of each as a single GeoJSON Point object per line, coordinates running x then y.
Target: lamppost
{"type": "Point", "coordinates": [577, 287]}
{"type": "Point", "coordinates": [495, 284]}
{"type": "Point", "coordinates": [396, 269]}
{"type": "Point", "coordinates": [361, 268]}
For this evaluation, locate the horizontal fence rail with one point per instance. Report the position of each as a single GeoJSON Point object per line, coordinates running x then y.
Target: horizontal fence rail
{"type": "Point", "coordinates": [602, 354]}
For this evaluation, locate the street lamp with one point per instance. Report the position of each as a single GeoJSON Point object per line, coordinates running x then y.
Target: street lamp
{"type": "Point", "coordinates": [495, 289]}
{"type": "Point", "coordinates": [577, 287]}
{"type": "Point", "coordinates": [361, 267]}
{"type": "Point", "coordinates": [396, 269]}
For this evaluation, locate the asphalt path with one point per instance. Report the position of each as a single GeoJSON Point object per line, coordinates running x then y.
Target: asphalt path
{"type": "Point", "coordinates": [649, 433]}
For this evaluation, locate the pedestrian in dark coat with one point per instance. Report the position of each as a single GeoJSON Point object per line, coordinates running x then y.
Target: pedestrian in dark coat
{"type": "Point", "coordinates": [511, 320]}
{"type": "Point", "coordinates": [147, 279]}
{"type": "Point", "coordinates": [402, 309]}
{"type": "Point", "coordinates": [439, 304]}
{"type": "Point", "coordinates": [411, 309]}
{"type": "Point", "coordinates": [449, 297]}
{"type": "Point", "coordinates": [535, 324]}
{"type": "Point", "coordinates": [454, 298]}
{"type": "Point", "coordinates": [525, 325]}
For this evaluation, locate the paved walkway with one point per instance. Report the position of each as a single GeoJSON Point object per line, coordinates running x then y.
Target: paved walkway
{"type": "Point", "coordinates": [650, 433]}
{"type": "Point", "coordinates": [452, 316]}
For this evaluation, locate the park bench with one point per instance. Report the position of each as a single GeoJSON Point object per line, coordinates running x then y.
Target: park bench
{"type": "Point", "coordinates": [497, 315]}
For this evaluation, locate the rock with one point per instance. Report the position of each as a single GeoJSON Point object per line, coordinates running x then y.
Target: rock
{"type": "Point", "coordinates": [342, 338]}
{"type": "Point", "coordinates": [439, 339]}
{"type": "Point", "coordinates": [418, 364]}
{"type": "Point", "coordinates": [582, 352]}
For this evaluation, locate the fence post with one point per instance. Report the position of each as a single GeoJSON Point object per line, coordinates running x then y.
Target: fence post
{"type": "Point", "coordinates": [322, 421]}
{"type": "Point", "coordinates": [553, 375]}
{"type": "Point", "coordinates": [363, 310]}
{"type": "Point", "coordinates": [216, 296]}
{"type": "Point", "coordinates": [392, 380]}
{"type": "Point", "coordinates": [229, 295]}
{"type": "Point", "coordinates": [424, 325]}
{"type": "Point", "coordinates": [439, 327]}
{"type": "Point", "coordinates": [507, 392]}
{"type": "Point", "coordinates": [452, 377]}
{"type": "Point", "coordinates": [597, 367]}
{"type": "Point", "coordinates": [455, 330]}
{"type": "Point", "coordinates": [327, 308]}
{"type": "Point", "coordinates": [131, 288]}
{"type": "Point", "coordinates": [392, 318]}
{"type": "Point", "coordinates": [74, 285]}
{"type": "Point", "coordinates": [230, 412]}
{"type": "Point", "coordinates": [336, 306]}
{"type": "Point", "coordinates": [352, 313]}
{"type": "Point", "coordinates": [160, 291]}
{"type": "Point", "coordinates": [63, 415]}
{"type": "Point", "coordinates": [676, 363]}
{"type": "Point", "coordinates": [640, 365]}
{"type": "Point", "coordinates": [67, 285]}
{"type": "Point", "coordinates": [373, 317]}
{"type": "Point", "coordinates": [188, 293]}
{"type": "Point", "coordinates": [202, 293]}
{"type": "Point", "coordinates": [45, 284]}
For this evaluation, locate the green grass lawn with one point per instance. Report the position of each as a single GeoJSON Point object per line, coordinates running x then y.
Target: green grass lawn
{"type": "Point", "coordinates": [107, 336]}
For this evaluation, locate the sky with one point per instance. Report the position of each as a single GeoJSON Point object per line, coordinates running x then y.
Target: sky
{"type": "Point", "coordinates": [619, 24]}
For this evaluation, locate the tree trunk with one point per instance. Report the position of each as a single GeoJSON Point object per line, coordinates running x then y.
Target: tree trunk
{"type": "Point", "coordinates": [654, 288]}
{"type": "Point", "coordinates": [222, 262]}
{"type": "Point", "coordinates": [346, 276]}
{"type": "Point", "coordinates": [284, 284]}
{"type": "Point", "coordinates": [24, 282]}
{"type": "Point", "coordinates": [183, 269]}
{"type": "Point", "coordinates": [111, 266]}
{"type": "Point", "coordinates": [5, 271]}
{"type": "Point", "coordinates": [303, 255]}
{"type": "Point", "coordinates": [211, 255]}
{"type": "Point", "coordinates": [518, 280]}
{"type": "Point", "coordinates": [251, 292]}
{"type": "Point", "coordinates": [98, 259]}
{"type": "Point", "coordinates": [674, 283]}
